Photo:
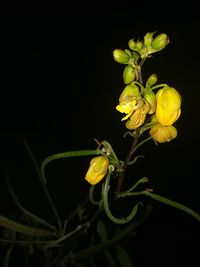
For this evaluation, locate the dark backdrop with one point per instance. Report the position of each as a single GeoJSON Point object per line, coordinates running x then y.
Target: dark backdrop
{"type": "Point", "coordinates": [59, 89]}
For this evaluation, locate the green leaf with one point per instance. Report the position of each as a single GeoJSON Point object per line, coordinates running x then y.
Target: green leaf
{"type": "Point", "coordinates": [123, 257]}
{"type": "Point", "coordinates": [102, 231]}
{"type": "Point", "coordinates": [111, 260]}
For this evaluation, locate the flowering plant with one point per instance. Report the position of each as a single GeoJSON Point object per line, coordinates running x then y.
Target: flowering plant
{"type": "Point", "coordinates": [150, 112]}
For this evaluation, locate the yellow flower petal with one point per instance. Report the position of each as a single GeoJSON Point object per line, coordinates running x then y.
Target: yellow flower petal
{"type": "Point", "coordinates": [97, 169]}
{"type": "Point", "coordinates": [168, 107]}
{"type": "Point", "coordinates": [162, 134]}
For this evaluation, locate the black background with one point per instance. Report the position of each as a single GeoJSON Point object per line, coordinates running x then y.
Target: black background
{"type": "Point", "coordinates": [59, 89]}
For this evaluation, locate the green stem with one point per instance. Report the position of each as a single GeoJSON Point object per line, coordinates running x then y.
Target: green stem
{"type": "Point", "coordinates": [163, 200]}
{"type": "Point", "coordinates": [141, 181]}
{"type": "Point", "coordinates": [142, 142]}
{"type": "Point", "coordinates": [173, 204]}
{"type": "Point", "coordinates": [140, 85]}
{"type": "Point", "coordinates": [135, 159]}
{"type": "Point", "coordinates": [130, 153]}
{"type": "Point", "coordinates": [159, 85]}
{"type": "Point", "coordinates": [91, 196]}
{"type": "Point", "coordinates": [105, 188]}
{"type": "Point", "coordinates": [68, 154]}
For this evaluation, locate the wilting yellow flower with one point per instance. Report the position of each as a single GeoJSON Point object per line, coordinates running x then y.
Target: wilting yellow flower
{"type": "Point", "coordinates": [138, 116]}
{"type": "Point", "coordinates": [129, 100]}
{"type": "Point", "coordinates": [97, 170]}
{"type": "Point", "coordinates": [168, 107]}
{"type": "Point", "coordinates": [162, 134]}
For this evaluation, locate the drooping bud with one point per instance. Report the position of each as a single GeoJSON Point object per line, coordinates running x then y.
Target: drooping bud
{"type": "Point", "coordinates": [97, 169]}
{"type": "Point", "coordinates": [121, 56]}
{"type": "Point", "coordinates": [160, 42]}
{"type": "Point", "coordinates": [129, 74]}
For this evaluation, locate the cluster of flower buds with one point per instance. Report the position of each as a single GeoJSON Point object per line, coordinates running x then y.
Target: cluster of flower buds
{"type": "Point", "coordinates": [139, 101]}
{"type": "Point", "coordinates": [141, 49]}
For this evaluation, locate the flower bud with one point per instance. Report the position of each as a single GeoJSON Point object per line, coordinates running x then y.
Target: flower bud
{"type": "Point", "coordinates": [128, 52]}
{"type": "Point", "coordinates": [162, 134]}
{"type": "Point", "coordinates": [153, 78]}
{"type": "Point", "coordinates": [130, 91]}
{"type": "Point", "coordinates": [129, 74]}
{"type": "Point", "coordinates": [132, 44]}
{"type": "Point", "coordinates": [168, 107]}
{"type": "Point", "coordinates": [97, 169]}
{"type": "Point", "coordinates": [139, 46]}
{"type": "Point", "coordinates": [160, 42]}
{"type": "Point", "coordinates": [121, 56]}
{"type": "Point", "coordinates": [150, 97]}
{"type": "Point", "coordinates": [148, 38]}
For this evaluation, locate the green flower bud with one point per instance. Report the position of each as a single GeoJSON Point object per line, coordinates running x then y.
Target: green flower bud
{"type": "Point", "coordinates": [128, 52]}
{"type": "Point", "coordinates": [148, 38]}
{"type": "Point", "coordinates": [153, 78]}
{"type": "Point", "coordinates": [132, 44]}
{"type": "Point", "coordinates": [135, 56]}
{"type": "Point", "coordinates": [150, 97]}
{"type": "Point", "coordinates": [160, 42]}
{"type": "Point", "coordinates": [121, 56]}
{"type": "Point", "coordinates": [129, 74]}
{"type": "Point", "coordinates": [139, 46]}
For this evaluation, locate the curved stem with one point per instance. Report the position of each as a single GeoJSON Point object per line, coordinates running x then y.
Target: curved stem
{"type": "Point", "coordinates": [141, 181]}
{"type": "Point", "coordinates": [105, 188]}
{"type": "Point", "coordinates": [91, 196]}
{"type": "Point", "coordinates": [140, 85]}
{"type": "Point", "coordinates": [142, 142]}
{"type": "Point", "coordinates": [158, 86]}
{"type": "Point", "coordinates": [164, 200]}
{"type": "Point", "coordinates": [68, 154]}
{"type": "Point", "coordinates": [173, 204]}
{"type": "Point", "coordinates": [116, 238]}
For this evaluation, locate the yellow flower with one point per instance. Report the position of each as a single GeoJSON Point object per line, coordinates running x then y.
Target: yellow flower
{"type": "Point", "coordinates": [129, 100]}
{"type": "Point", "coordinates": [138, 116]}
{"type": "Point", "coordinates": [162, 134]}
{"type": "Point", "coordinates": [168, 107]}
{"type": "Point", "coordinates": [97, 169]}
